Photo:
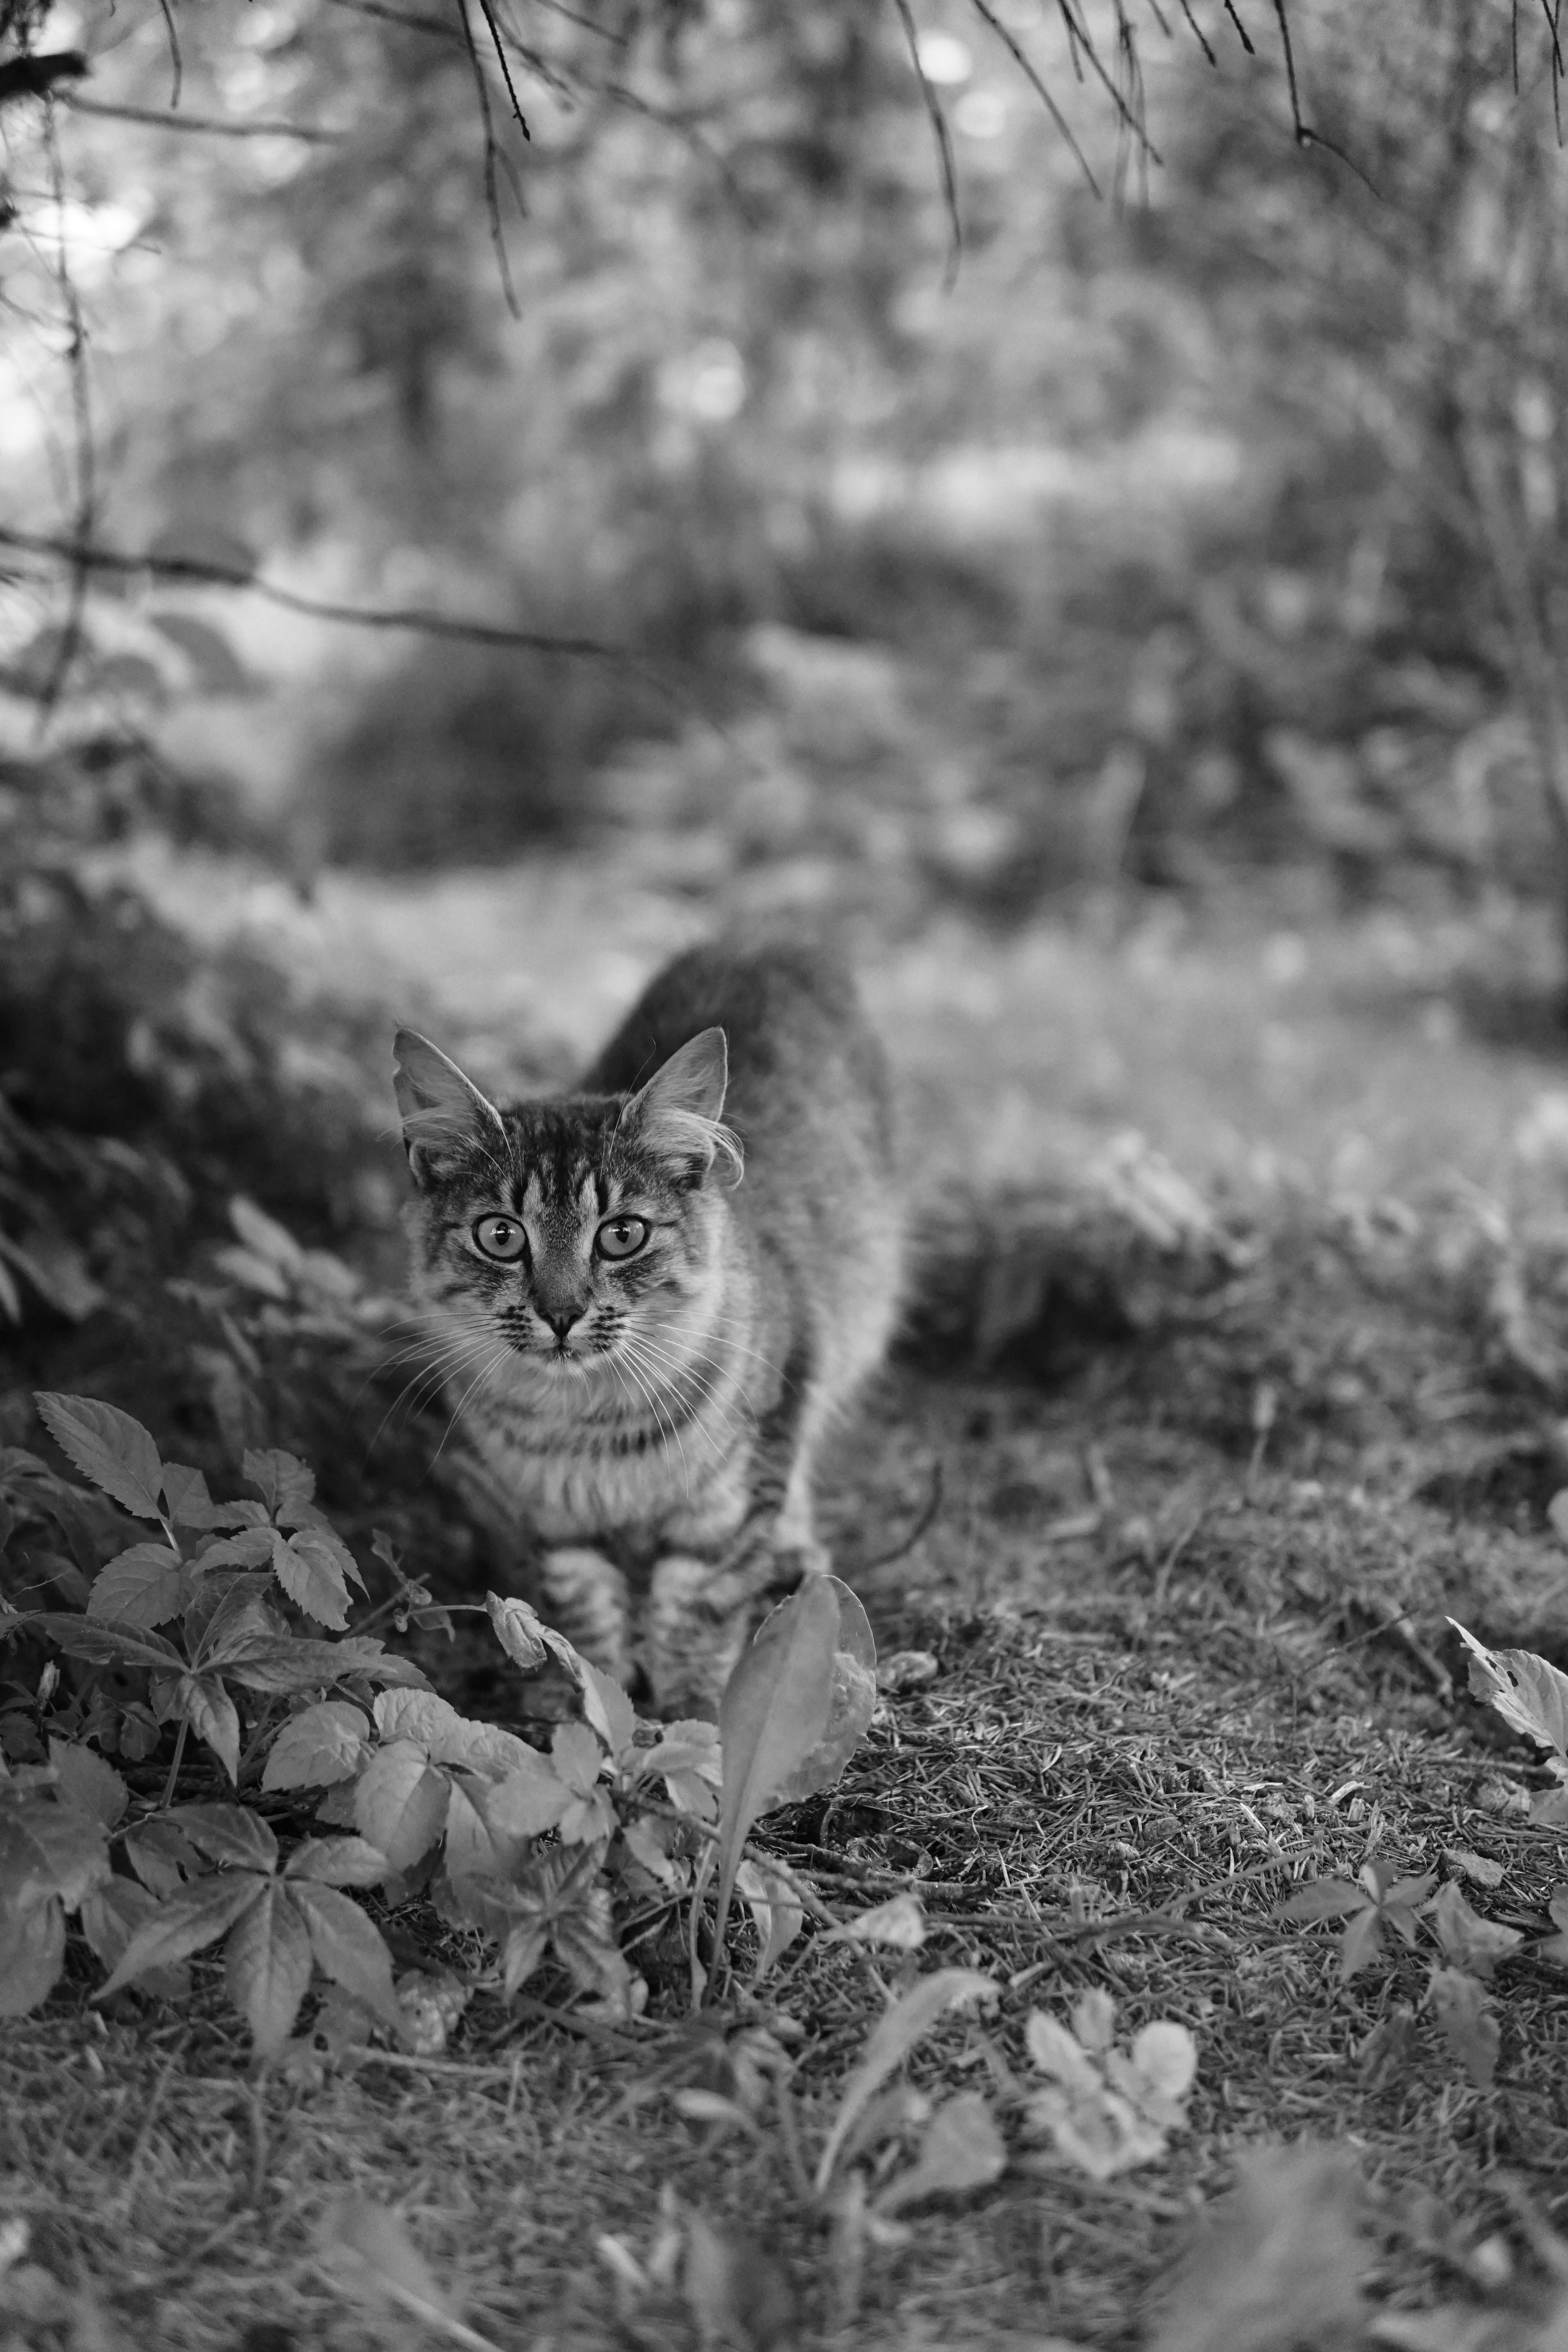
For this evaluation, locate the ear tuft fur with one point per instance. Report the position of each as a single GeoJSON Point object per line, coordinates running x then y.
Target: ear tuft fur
{"type": "Point", "coordinates": [677, 1112]}
{"type": "Point", "coordinates": [440, 1107]}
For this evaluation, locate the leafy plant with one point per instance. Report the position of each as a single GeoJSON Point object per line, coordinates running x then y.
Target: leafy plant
{"type": "Point", "coordinates": [1109, 2110]}
{"type": "Point", "coordinates": [211, 1627]}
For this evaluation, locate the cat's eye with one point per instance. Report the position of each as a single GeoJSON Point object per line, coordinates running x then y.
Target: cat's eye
{"type": "Point", "coordinates": [621, 1236]}
{"type": "Point", "coordinates": [500, 1237]}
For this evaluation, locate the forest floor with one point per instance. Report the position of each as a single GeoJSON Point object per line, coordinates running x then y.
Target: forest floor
{"type": "Point", "coordinates": [1198, 1525]}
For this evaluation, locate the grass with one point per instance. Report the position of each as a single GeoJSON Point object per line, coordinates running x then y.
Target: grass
{"type": "Point", "coordinates": [1203, 1505]}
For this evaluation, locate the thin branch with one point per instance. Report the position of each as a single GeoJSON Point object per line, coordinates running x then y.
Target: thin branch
{"type": "Point", "coordinates": [488, 13]}
{"type": "Point", "coordinates": [1242, 34]}
{"type": "Point", "coordinates": [1303, 135]}
{"type": "Point", "coordinates": [1197, 32]}
{"type": "Point", "coordinates": [81, 420]}
{"type": "Point", "coordinates": [213, 123]}
{"type": "Point", "coordinates": [942, 137]}
{"type": "Point", "coordinates": [176, 63]}
{"type": "Point", "coordinates": [1134, 122]}
{"type": "Point", "coordinates": [199, 573]}
{"type": "Point", "coordinates": [493, 194]}
{"type": "Point", "coordinates": [1026, 64]}
{"type": "Point", "coordinates": [435, 25]}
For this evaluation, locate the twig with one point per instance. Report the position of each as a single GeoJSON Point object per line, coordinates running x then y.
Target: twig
{"type": "Point", "coordinates": [81, 416]}
{"type": "Point", "coordinates": [201, 574]}
{"type": "Point", "coordinates": [1197, 31]}
{"type": "Point", "coordinates": [943, 139]}
{"type": "Point", "coordinates": [906, 1544]}
{"type": "Point", "coordinates": [1242, 32]}
{"type": "Point", "coordinates": [1026, 66]}
{"type": "Point", "coordinates": [176, 63]}
{"type": "Point", "coordinates": [488, 13]}
{"type": "Point", "coordinates": [213, 124]}
{"type": "Point", "coordinates": [492, 197]}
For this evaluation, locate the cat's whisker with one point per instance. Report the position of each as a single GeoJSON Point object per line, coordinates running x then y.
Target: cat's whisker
{"type": "Point", "coordinates": [450, 1364]}
{"type": "Point", "coordinates": [478, 1381]}
{"type": "Point", "coordinates": [673, 1374]}
{"type": "Point", "coordinates": [667, 1433]}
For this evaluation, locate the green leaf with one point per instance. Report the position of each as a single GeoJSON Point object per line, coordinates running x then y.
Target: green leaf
{"type": "Point", "coordinates": [446, 1737]}
{"type": "Point", "coordinates": [348, 1948]}
{"type": "Point", "coordinates": [106, 1446]}
{"type": "Point", "coordinates": [188, 1501]}
{"type": "Point", "coordinates": [48, 1848]}
{"type": "Point", "coordinates": [529, 1800]}
{"type": "Point", "coordinates": [105, 1645]}
{"type": "Point", "coordinates": [146, 1586]}
{"type": "Point", "coordinates": [251, 1547]}
{"type": "Point", "coordinates": [326, 1743]}
{"type": "Point", "coordinates": [111, 1916]}
{"type": "Point", "coordinates": [908, 2022]}
{"type": "Point", "coordinates": [1469, 2028]}
{"type": "Point", "coordinates": [521, 1954]}
{"type": "Point", "coordinates": [282, 1480]}
{"type": "Point", "coordinates": [774, 1711]}
{"type": "Point", "coordinates": [1528, 1692]}
{"type": "Point", "coordinates": [338, 1862]}
{"type": "Point", "coordinates": [1325, 1898]}
{"type": "Point", "coordinates": [853, 1704]}
{"type": "Point", "coordinates": [162, 1857]}
{"type": "Point", "coordinates": [268, 1964]}
{"type": "Point", "coordinates": [89, 1781]}
{"type": "Point", "coordinates": [962, 2149]}
{"type": "Point", "coordinates": [32, 1954]}
{"type": "Point", "coordinates": [212, 1717]}
{"type": "Point", "coordinates": [400, 1803]}
{"type": "Point", "coordinates": [307, 1569]}
{"type": "Point", "coordinates": [576, 1755]}
{"type": "Point", "coordinates": [297, 1663]}
{"type": "Point", "coordinates": [229, 1834]}
{"type": "Point", "coordinates": [1469, 1942]}
{"type": "Point", "coordinates": [188, 1921]}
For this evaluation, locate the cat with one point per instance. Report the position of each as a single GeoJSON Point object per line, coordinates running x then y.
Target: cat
{"type": "Point", "coordinates": [661, 1289]}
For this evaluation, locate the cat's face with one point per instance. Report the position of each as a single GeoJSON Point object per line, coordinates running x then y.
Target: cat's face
{"type": "Point", "coordinates": [570, 1241]}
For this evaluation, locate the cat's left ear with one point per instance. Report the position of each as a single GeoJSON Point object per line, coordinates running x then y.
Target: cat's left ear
{"type": "Point", "coordinates": [442, 1110]}
{"type": "Point", "coordinates": [677, 1113]}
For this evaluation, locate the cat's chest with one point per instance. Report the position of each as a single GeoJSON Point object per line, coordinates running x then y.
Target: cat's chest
{"type": "Point", "coordinates": [572, 1487]}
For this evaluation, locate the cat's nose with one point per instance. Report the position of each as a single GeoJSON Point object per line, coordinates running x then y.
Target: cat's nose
{"type": "Point", "coordinates": [561, 1318]}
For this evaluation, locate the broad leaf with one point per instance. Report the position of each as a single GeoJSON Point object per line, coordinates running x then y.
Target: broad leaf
{"type": "Point", "coordinates": [1527, 1691]}
{"type": "Point", "coordinates": [47, 1848]}
{"type": "Point", "coordinates": [348, 1948]}
{"type": "Point", "coordinates": [854, 1703]}
{"type": "Point", "coordinates": [1325, 1898]}
{"type": "Point", "coordinates": [267, 1962]}
{"type": "Point", "coordinates": [326, 1743]}
{"type": "Point", "coordinates": [89, 1781]}
{"type": "Point", "coordinates": [106, 1446]}
{"type": "Point", "coordinates": [282, 1480]}
{"type": "Point", "coordinates": [962, 2149]}
{"type": "Point", "coordinates": [1469, 2028]}
{"type": "Point", "coordinates": [160, 1854]}
{"type": "Point", "coordinates": [907, 2023]}
{"type": "Point", "coordinates": [338, 1862]}
{"type": "Point", "coordinates": [774, 1907]}
{"type": "Point", "coordinates": [400, 1803]}
{"type": "Point", "coordinates": [111, 1916]}
{"type": "Point", "coordinates": [899, 1924]}
{"type": "Point", "coordinates": [251, 1547]}
{"type": "Point", "coordinates": [298, 1664]}
{"type": "Point", "coordinates": [188, 1921]}
{"type": "Point", "coordinates": [529, 1800]}
{"type": "Point", "coordinates": [230, 1835]}
{"type": "Point", "coordinates": [307, 1566]}
{"type": "Point", "coordinates": [773, 1712]}
{"type": "Point", "coordinates": [105, 1645]}
{"type": "Point", "coordinates": [365, 2250]}
{"type": "Point", "coordinates": [212, 1717]}
{"type": "Point", "coordinates": [146, 1586]}
{"type": "Point", "coordinates": [1469, 1941]}
{"type": "Point", "coordinates": [32, 1954]}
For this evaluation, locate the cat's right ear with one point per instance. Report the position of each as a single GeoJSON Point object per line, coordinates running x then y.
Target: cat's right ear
{"type": "Point", "coordinates": [443, 1112]}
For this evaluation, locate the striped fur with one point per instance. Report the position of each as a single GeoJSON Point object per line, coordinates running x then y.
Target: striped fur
{"type": "Point", "coordinates": [657, 1413]}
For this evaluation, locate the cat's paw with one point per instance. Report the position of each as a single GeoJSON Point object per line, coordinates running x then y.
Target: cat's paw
{"type": "Point", "coordinates": [585, 1598]}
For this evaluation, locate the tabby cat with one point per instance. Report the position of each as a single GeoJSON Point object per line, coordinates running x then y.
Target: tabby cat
{"type": "Point", "coordinates": [659, 1291]}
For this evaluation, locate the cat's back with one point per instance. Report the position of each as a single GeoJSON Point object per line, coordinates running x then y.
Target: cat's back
{"type": "Point", "coordinates": [809, 1093]}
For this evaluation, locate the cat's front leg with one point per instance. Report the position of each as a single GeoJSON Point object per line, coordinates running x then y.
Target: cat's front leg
{"type": "Point", "coordinates": [585, 1598]}
{"type": "Point", "coordinates": [696, 1620]}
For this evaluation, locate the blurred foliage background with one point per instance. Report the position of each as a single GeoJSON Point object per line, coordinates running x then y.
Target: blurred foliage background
{"type": "Point", "coordinates": [1191, 533]}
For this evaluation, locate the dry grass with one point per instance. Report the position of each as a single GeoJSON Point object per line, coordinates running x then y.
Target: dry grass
{"type": "Point", "coordinates": [1207, 1497]}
